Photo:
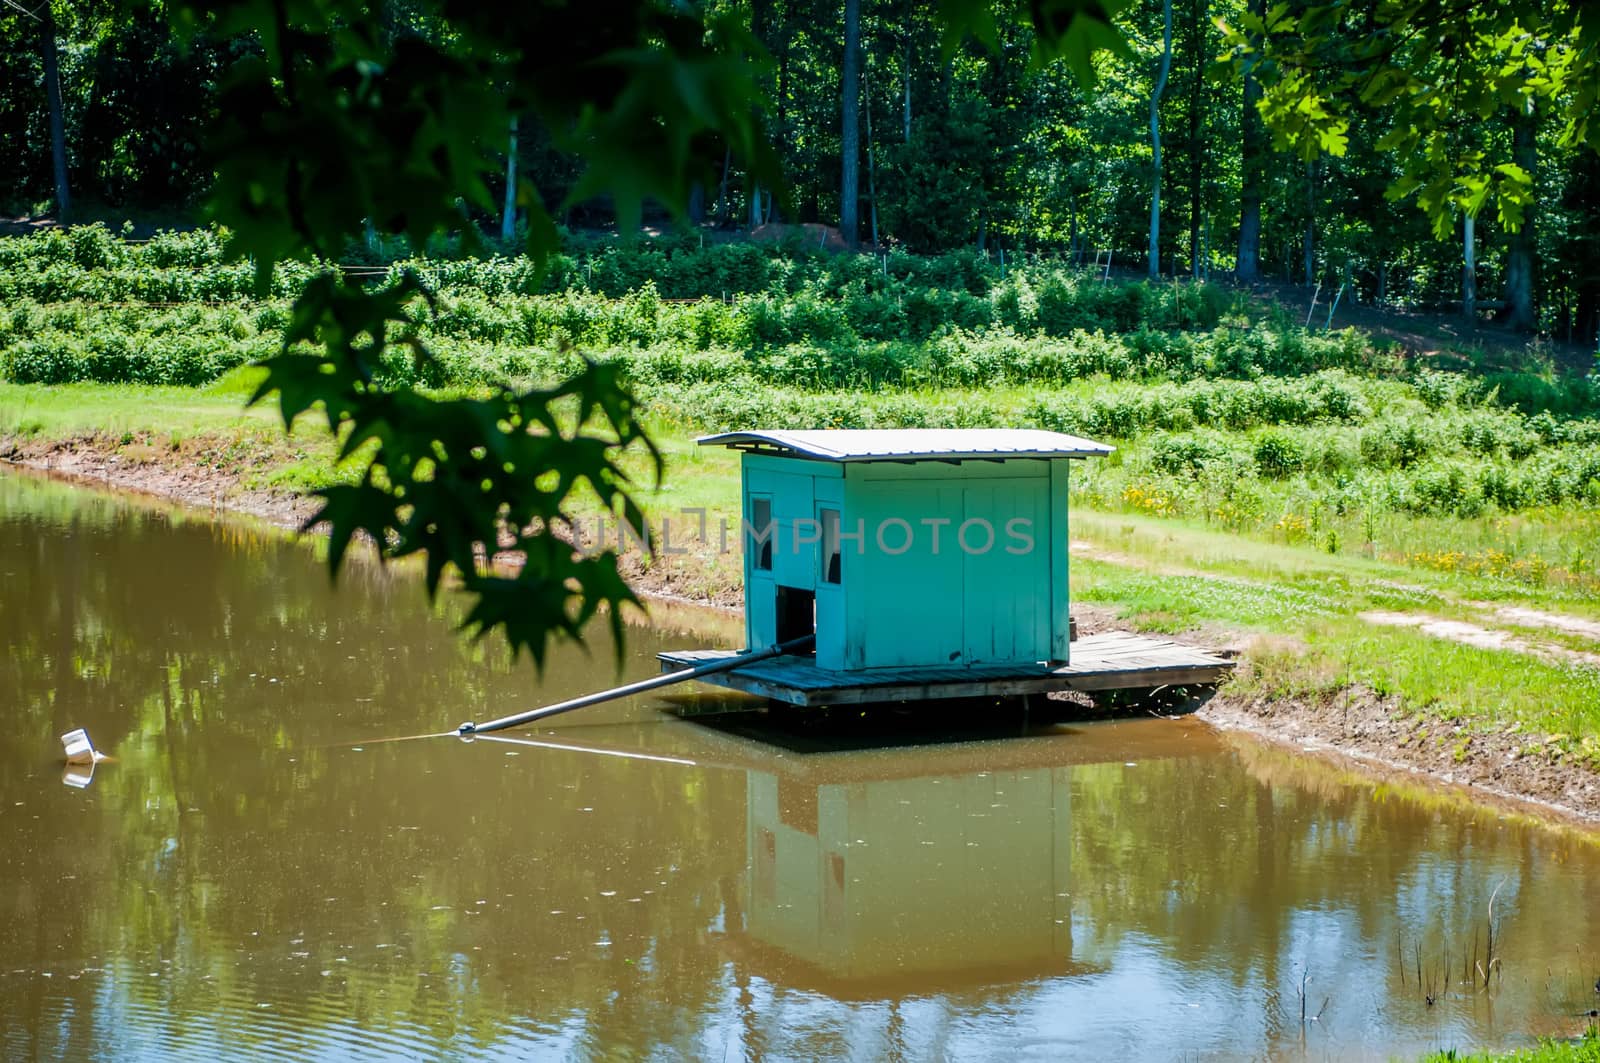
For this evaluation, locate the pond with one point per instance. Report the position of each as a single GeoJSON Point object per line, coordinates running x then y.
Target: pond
{"type": "Point", "coordinates": [254, 874]}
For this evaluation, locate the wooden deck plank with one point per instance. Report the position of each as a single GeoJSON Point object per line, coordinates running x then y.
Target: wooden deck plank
{"type": "Point", "coordinates": [1109, 661]}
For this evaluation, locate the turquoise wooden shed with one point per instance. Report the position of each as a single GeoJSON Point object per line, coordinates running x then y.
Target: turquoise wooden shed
{"type": "Point", "coordinates": [908, 548]}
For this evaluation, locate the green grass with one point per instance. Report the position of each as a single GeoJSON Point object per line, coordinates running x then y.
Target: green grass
{"type": "Point", "coordinates": [1306, 607]}
{"type": "Point", "coordinates": [172, 425]}
{"type": "Point", "coordinates": [1585, 1050]}
{"type": "Point", "coordinates": [65, 410]}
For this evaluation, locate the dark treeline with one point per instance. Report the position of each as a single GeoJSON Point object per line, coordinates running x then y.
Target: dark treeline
{"type": "Point", "coordinates": [903, 142]}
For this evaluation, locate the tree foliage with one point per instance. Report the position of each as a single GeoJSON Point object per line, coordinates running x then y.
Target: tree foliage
{"type": "Point", "coordinates": [1438, 72]}
{"type": "Point", "coordinates": [343, 118]}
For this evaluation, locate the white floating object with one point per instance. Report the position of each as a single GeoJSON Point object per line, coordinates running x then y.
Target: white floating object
{"type": "Point", "coordinates": [79, 749]}
{"type": "Point", "coordinates": [77, 776]}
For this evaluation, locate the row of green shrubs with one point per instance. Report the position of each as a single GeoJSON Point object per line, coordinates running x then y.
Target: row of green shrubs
{"type": "Point", "coordinates": [1189, 423]}
{"type": "Point", "coordinates": [1455, 487]}
{"type": "Point", "coordinates": [800, 319]}
{"type": "Point", "coordinates": [180, 346]}
{"type": "Point", "coordinates": [849, 316]}
{"type": "Point", "coordinates": [711, 342]}
{"type": "Point", "coordinates": [804, 343]}
{"type": "Point", "coordinates": [708, 340]}
{"type": "Point", "coordinates": [795, 296]}
{"type": "Point", "coordinates": [1053, 303]}
{"type": "Point", "coordinates": [1448, 480]}
{"type": "Point", "coordinates": [681, 265]}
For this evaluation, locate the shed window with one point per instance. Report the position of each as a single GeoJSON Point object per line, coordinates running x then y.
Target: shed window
{"type": "Point", "coordinates": [762, 531]}
{"type": "Point", "coordinates": [830, 545]}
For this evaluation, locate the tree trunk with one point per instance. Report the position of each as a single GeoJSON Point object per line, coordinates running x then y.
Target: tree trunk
{"type": "Point", "coordinates": [850, 127]}
{"type": "Point", "coordinates": [908, 106]}
{"type": "Point", "coordinates": [722, 189]}
{"type": "Point", "coordinates": [1469, 274]}
{"type": "Point", "coordinates": [1523, 245]}
{"type": "Point", "coordinates": [508, 216]}
{"type": "Point", "coordinates": [872, 174]}
{"type": "Point", "coordinates": [58, 130]}
{"type": "Point", "coordinates": [1197, 32]}
{"type": "Point", "coordinates": [768, 212]}
{"type": "Point", "coordinates": [1155, 140]}
{"type": "Point", "coordinates": [1248, 264]}
{"type": "Point", "coordinates": [1311, 224]}
{"type": "Point", "coordinates": [907, 72]}
{"type": "Point", "coordinates": [759, 28]}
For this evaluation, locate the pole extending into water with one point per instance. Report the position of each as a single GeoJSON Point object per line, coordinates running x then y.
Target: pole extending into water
{"type": "Point", "coordinates": [727, 664]}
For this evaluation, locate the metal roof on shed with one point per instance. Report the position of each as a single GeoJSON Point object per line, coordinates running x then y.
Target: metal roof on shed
{"type": "Point", "coordinates": [914, 444]}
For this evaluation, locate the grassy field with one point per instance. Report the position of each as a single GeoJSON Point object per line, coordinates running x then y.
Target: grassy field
{"type": "Point", "coordinates": [1423, 529]}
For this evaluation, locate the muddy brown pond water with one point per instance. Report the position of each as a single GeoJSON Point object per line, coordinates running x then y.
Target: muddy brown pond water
{"type": "Point", "coordinates": [629, 882]}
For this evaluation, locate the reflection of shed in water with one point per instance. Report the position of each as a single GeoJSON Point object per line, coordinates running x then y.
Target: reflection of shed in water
{"type": "Point", "coordinates": [916, 868]}
{"type": "Point", "coordinates": [907, 877]}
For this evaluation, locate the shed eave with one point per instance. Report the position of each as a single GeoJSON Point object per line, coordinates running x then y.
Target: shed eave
{"type": "Point", "coordinates": [911, 444]}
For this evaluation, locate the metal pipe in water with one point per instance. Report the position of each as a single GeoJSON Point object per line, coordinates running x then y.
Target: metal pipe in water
{"type": "Point", "coordinates": [727, 664]}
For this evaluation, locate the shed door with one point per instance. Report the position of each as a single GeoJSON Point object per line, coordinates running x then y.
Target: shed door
{"type": "Point", "coordinates": [1005, 556]}
{"type": "Point", "coordinates": [907, 594]}
{"type": "Point", "coordinates": [832, 570]}
{"type": "Point", "coordinates": [794, 561]}
{"type": "Point", "coordinates": [760, 549]}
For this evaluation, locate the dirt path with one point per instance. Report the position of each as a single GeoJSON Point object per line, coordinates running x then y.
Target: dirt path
{"type": "Point", "coordinates": [1354, 724]}
{"type": "Point", "coordinates": [1487, 638]}
{"type": "Point", "coordinates": [1571, 625]}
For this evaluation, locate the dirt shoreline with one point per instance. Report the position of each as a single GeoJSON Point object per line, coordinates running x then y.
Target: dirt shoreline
{"type": "Point", "coordinates": [1353, 727]}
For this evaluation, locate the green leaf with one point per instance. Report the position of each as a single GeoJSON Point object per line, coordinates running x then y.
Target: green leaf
{"type": "Point", "coordinates": [1074, 30]}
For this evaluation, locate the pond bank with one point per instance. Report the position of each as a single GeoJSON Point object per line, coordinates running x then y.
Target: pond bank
{"type": "Point", "coordinates": [1277, 696]}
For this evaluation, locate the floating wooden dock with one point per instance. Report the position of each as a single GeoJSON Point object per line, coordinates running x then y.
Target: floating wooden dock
{"type": "Point", "coordinates": [1112, 661]}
